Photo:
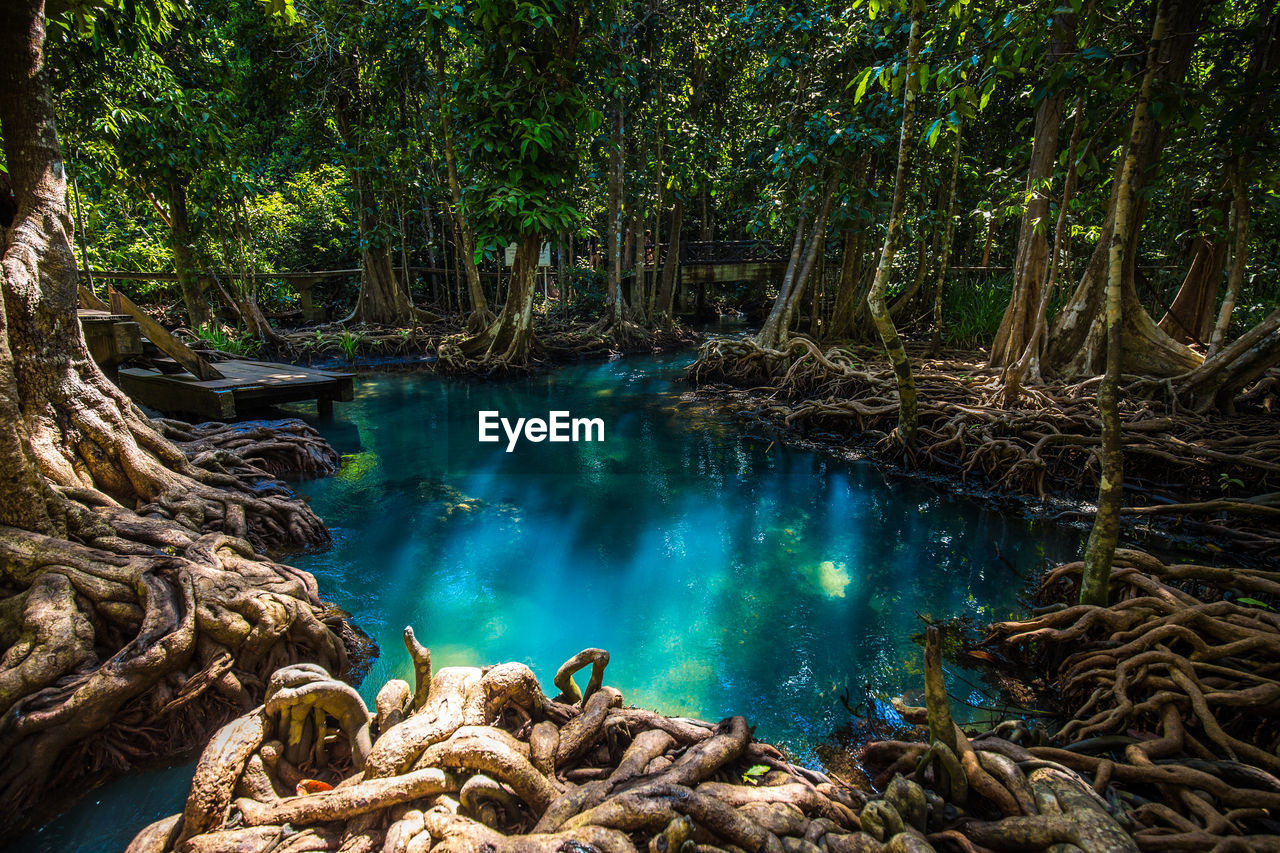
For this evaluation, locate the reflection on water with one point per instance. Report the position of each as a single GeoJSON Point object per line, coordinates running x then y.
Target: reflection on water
{"type": "Point", "coordinates": [724, 574]}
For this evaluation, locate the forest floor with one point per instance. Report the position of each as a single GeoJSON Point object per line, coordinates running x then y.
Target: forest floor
{"type": "Point", "coordinates": [557, 340]}
{"type": "Point", "coordinates": [1204, 477]}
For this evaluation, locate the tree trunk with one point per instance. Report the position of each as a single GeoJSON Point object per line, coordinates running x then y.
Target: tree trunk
{"type": "Point", "coordinates": [935, 343]}
{"type": "Point", "coordinates": [480, 315]}
{"type": "Point", "coordinates": [1240, 204]}
{"type": "Point", "coordinates": [906, 431]}
{"type": "Point", "coordinates": [774, 330]}
{"type": "Point", "coordinates": [1029, 363]}
{"type": "Point", "coordinates": [381, 300]}
{"type": "Point", "coordinates": [1101, 548]}
{"type": "Point", "coordinates": [184, 258]}
{"type": "Point", "coordinates": [922, 270]}
{"type": "Point", "coordinates": [801, 279]}
{"type": "Point", "coordinates": [638, 265]}
{"type": "Point", "coordinates": [1216, 383]}
{"type": "Point", "coordinates": [849, 317]}
{"type": "Point", "coordinates": [671, 264]}
{"type": "Point", "coordinates": [1032, 257]}
{"type": "Point", "coordinates": [1190, 317]}
{"type": "Point", "coordinates": [1077, 345]}
{"type": "Point", "coordinates": [614, 293]}
{"type": "Point", "coordinates": [509, 340]}
{"type": "Point", "coordinates": [122, 560]}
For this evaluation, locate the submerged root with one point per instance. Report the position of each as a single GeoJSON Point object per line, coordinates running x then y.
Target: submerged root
{"type": "Point", "coordinates": [489, 762]}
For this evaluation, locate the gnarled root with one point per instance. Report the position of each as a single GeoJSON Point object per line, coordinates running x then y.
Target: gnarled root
{"type": "Point", "coordinates": [1041, 443]}
{"type": "Point", "coordinates": [1171, 693]}
{"type": "Point", "coordinates": [488, 762]}
{"type": "Point", "coordinates": [149, 623]}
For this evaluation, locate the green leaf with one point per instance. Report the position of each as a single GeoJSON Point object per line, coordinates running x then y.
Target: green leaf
{"type": "Point", "coordinates": [754, 771]}
{"type": "Point", "coordinates": [1254, 603]}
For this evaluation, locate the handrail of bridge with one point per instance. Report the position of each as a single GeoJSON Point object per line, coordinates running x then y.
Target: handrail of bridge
{"type": "Point", "coordinates": [301, 277]}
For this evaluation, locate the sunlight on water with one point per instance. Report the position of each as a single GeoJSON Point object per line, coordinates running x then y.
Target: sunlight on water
{"type": "Point", "coordinates": [723, 574]}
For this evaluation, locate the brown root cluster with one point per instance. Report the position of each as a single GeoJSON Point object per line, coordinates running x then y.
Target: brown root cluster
{"type": "Point", "coordinates": [1171, 694]}
{"type": "Point", "coordinates": [1043, 442]}
{"type": "Point", "coordinates": [148, 625]}
{"type": "Point", "coordinates": [481, 759]}
{"type": "Point", "coordinates": [558, 341]}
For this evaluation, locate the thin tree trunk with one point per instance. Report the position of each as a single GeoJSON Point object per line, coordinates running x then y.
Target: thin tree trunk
{"type": "Point", "coordinates": [614, 252]}
{"type": "Point", "coordinates": [935, 343]}
{"type": "Point", "coordinates": [1032, 257]}
{"type": "Point", "coordinates": [1029, 362]}
{"type": "Point", "coordinates": [816, 238]}
{"type": "Point", "coordinates": [773, 330]}
{"type": "Point", "coordinates": [907, 417]}
{"type": "Point", "coordinates": [922, 270]}
{"type": "Point", "coordinates": [671, 264]}
{"type": "Point", "coordinates": [184, 258]}
{"type": "Point", "coordinates": [1101, 548]}
{"type": "Point", "coordinates": [480, 314]}
{"type": "Point", "coordinates": [1240, 203]}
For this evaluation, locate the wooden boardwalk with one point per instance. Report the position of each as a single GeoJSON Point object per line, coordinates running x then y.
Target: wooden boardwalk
{"type": "Point", "coordinates": [244, 386]}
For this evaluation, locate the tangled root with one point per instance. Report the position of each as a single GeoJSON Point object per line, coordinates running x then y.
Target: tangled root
{"type": "Point", "coordinates": [1172, 697]}
{"type": "Point", "coordinates": [486, 761]}
{"type": "Point", "coordinates": [146, 627]}
{"type": "Point", "coordinates": [280, 447]}
{"type": "Point", "coordinates": [1042, 442]}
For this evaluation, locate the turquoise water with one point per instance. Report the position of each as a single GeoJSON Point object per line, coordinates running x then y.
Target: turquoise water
{"type": "Point", "coordinates": [724, 572]}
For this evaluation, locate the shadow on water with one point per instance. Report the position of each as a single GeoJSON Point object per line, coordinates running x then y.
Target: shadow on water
{"type": "Point", "coordinates": [724, 574]}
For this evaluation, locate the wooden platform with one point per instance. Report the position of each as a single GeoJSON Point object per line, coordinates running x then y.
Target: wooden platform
{"type": "Point", "coordinates": [245, 385]}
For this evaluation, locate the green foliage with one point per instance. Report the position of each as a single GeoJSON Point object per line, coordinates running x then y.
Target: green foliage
{"type": "Point", "coordinates": [350, 344]}
{"type": "Point", "coordinates": [973, 305]}
{"type": "Point", "coordinates": [588, 291]}
{"type": "Point", "coordinates": [227, 340]}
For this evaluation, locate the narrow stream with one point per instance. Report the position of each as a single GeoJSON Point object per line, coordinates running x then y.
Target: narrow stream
{"type": "Point", "coordinates": [724, 573]}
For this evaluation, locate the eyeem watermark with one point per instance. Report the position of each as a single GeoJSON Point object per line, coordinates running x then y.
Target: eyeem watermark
{"type": "Point", "coordinates": [558, 427]}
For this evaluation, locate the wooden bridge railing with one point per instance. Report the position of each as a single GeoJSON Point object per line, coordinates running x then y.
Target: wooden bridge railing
{"type": "Point", "coordinates": [694, 252]}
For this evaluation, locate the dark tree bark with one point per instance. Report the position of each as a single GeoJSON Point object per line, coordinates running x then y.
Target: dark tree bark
{"type": "Point", "coordinates": [382, 300]}
{"type": "Point", "coordinates": [1077, 345]}
{"type": "Point", "coordinates": [509, 340]}
{"type": "Point", "coordinates": [1190, 317]}
{"type": "Point", "coordinates": [480, 315]}
{"type": "Point", "coordinates": [935, 342]}
{"type": "Point", "coordinates": [1101, 547]}
{"type": "Point", "coordinates": [671, 265]}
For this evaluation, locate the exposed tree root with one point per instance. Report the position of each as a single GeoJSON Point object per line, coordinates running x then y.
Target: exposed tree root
{"type": "Point", "coordinates": [1043, 442]}
{"type": "Point", "coordinates": [1172, 694]}
{"type": "Point", "coordinates": [486, 761]}
{"type": "Point", "coordinates": [148, 625]}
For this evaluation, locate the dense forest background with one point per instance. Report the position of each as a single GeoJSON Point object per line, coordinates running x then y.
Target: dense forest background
{"type": "Point", "coordinates": [220, 139]}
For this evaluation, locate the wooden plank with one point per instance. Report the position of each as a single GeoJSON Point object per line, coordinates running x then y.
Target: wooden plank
{"type": "Point", "coordinates": [245, 384]}
{"type": "Point", "coordinates": [111, 338]}
{"type": "Point", "coordinates": [163, 393]}
{"type": "Point", "coordinates": [160, 336]}
{"type": "Point", "coordinates": [89, 299]}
